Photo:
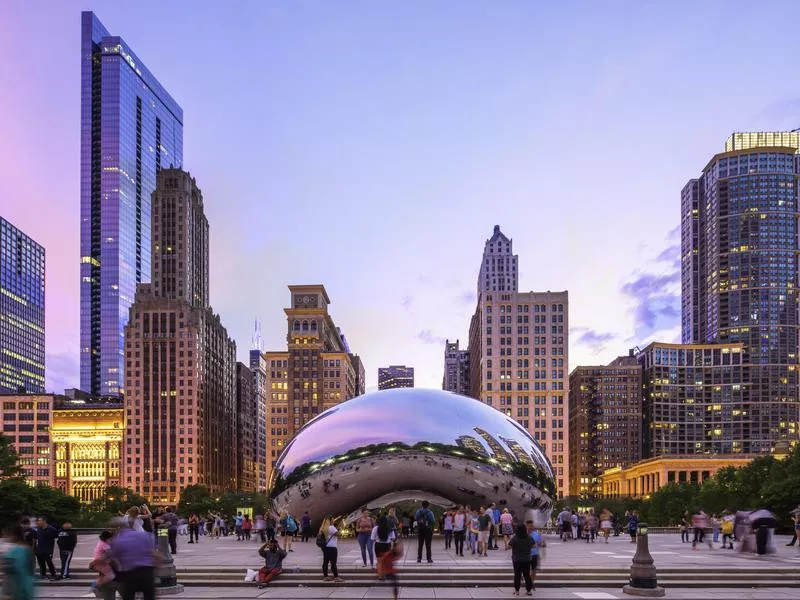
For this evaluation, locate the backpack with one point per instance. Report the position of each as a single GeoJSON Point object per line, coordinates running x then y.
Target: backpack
{"type": "Point", "coordinates": [424, 518]}
{"type": "Point", "coordinates": [322, 540]}
{"type": "Point", "coordinates": [291, 525]}
{"type": "Point", "coordinates": [727, 527]}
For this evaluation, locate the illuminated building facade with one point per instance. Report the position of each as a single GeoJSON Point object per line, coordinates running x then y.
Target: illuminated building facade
{"type": "Point", "coordinates": [130, 128]}
{"type": "Point", "coordinates": [696, 399]}
{"type": "Point", "coordinates": [246, 430]}
{"type": "Point", "coordinates": [180, 364]}
{"type": "Point", "coordinates": [519, 364]}
{"type": "Point", "coordinates": [26, 420]}
{"type": "Point", "coordinates": [258, 367]}
{"type": "Point", "coordinates": [22, 263]}
{"type": "Point", "coordinates": [395, 376]}
{"type": "Point", "coordinates": [314, 374]}
{"type": "Point", "coordinates": [740, 275]}
{"type": "Point", "coordinates": [87, 447]}
{"type": "Point", "coordinates": [645, 477]}
{"type": "Point", "coordinates": [605, 421]}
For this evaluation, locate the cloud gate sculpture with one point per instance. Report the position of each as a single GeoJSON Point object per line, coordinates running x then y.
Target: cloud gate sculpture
{"type": "Point", "coordinates": [412, 443]}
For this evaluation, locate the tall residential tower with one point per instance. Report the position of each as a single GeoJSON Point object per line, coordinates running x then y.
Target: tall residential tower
{"type": "Point", "coordinates": [130, 128]}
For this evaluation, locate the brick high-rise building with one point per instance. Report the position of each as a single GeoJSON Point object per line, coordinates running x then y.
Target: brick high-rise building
{"type": "Point", "coordinates": [180, 364]}
{"type": "Point", "coordinates": [21, 312]}
{"type": "Point", "coordinates": [316, 372]}
{"type": "Point", "coordinates": [605, 421]}
{"type": "Point", "coordinates": [498, 272]}
{"type": "Point", "coordinates": [740, 278]}
{"type": "Point", "coordinates": [519, 364]}
{"type": "Point", "coordinates": [246, 430]}
{"type": "Point", "coordinates": [395, 376]}
{"type": "Point", "coordinates": [456, 369]}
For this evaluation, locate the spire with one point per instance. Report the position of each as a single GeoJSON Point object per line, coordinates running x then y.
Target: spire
{"type": "Point", "coordinates": [258, 340]}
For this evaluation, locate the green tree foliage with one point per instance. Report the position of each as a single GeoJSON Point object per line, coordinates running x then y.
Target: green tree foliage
{"type": "Point", "coordinates": [196, 499]}
{"type": "Point", "coordinates": [18, 499]}
{"type": "Point", "coordinates": [9, 466]}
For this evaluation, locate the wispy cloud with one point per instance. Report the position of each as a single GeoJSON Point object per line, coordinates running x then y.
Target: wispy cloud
{"type": "Point", "coordinates": [428, 337]}
{"type": "Point", "coordinates": [594, 340]}
{"type": "Point", "coordinates": [653, 295]}
{"type": "Point", "coordinates": [466, 298]}
{"type": "Point", "coordinates": [671, 255]}
{"type": "Point", "coordinates": [407, 302]}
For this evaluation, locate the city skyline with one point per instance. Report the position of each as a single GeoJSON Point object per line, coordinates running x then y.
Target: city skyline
{"type": "Point", "coordinates": [492, 160]}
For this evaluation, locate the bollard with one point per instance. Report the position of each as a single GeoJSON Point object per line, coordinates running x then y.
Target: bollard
{"type": "Point", "coordinates": [643, 580]}
{"type": "Point", "coordinates": [165, 567]}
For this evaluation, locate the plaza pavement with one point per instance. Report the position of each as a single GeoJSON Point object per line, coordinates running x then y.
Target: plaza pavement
{"type": "Point", "coordinates": [577, 557]}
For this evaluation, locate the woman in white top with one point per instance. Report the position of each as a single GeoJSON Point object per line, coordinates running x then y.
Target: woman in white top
{"type": "Point", "coordinates": [330, 551]}
{"type": "Point", "coordinates": [459, 530]}
{"type": "Point", "coordinates": [382, 536]}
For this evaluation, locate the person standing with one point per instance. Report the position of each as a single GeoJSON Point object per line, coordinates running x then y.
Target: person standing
{"type": "Point", "coordinates": [521, 547]}
{"type": "Point", "coordinates": [447, 527]}
{"type": "Point", "coordinates": [494, 532]}
{"type": "Point", "coordinates": [685, 520]}
{"type": "Point", "coordinates": [795, 514]}
{"type": "Point", "coordinates": [17, 565]}
{"type": "Point", "coordinates": [459, 530]}
{"type": "Point", "coordinates": [727, 530]}
{"type": "Point", "coordinates": [485, 527]}
{"type": "Point", "coordinates": [538, 542]}
{"type": "Point", "coordinates": [364, 527]}
{"type": "Point", "coordinates": [394, 522]}
{"type": "Point", "coordinates": [330, 551]}
{"type": "Point", "coordinates": [506, 527]}
{"type": "Point", "coordinates": [260, 527]}
{"type": "Point", "coordinates": [605, 523]}
{"type": "Point", "coordinates": [170, 520]}
{"type": "Point", "coordinates": [194, 528]}
{"type": "Point", "coordinates": [424, 520]}
{"type": "Point", "coordinates": [382, 538]}
{"type": "Point", "coordinates": [237, 526]}
{"type": "Point", "coordinates": [269, 527]}
{"type": "Point", "coordinates": [135, 556]}
{"type": "Point", "coordinates": [305, 523]}
{"type": "Point", "coordinates": [247, 525]}
{"type": "Point", "coordinates": [67, 540]}
{"type": "Point", "coordinates": [633, 525]}
{"type": "Point", "coordinates": [474, 529]}
{"type": "Point", "coordinates": [45, 545]}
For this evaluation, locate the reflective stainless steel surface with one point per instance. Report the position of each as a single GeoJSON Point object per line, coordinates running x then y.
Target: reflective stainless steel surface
{"type": "Point", "coordinates": [426, 443]}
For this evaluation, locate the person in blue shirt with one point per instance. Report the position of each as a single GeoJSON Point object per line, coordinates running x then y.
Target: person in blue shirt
{"type": "Point", "coordinates": [17, 581]}
{"type": "Point", "coordinates": [425, 521]}
{"type": "Point", "coordinates": [538, 542]}
{"type": "Point", "coordinates": [494, 532]}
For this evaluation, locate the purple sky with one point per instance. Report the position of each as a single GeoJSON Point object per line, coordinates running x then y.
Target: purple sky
{"type": "Point", "coordinates": [371, 146]}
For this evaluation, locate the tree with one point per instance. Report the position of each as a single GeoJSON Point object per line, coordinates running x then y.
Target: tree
{"type": "Point", "coordinates": [196, 499]}
{"type": "Point", "coordinates": [9, 465]}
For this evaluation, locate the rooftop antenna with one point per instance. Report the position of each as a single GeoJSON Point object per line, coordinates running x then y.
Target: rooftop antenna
{"type": "Point", "coordinates": [258, 340]}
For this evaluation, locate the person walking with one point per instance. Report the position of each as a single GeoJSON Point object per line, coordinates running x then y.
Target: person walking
{"type": "Point", "coordinates": [633, 525]}
{"type": "Point", "coordinates": [447, 528]}
{"type": "Point", "coordinates": [715, 525]}
{"type": "Point", "coordinates": [506, 527]}
{"type": "Point", "coordinates": [364, 527]}
{"type": "Point", "coordinates": [327, 539]}
{"type": "Point", "coordinates": [104, 586]}
{"type": "Point", "coordinates": [382, 538]}
{"type": "Point", "coordinates": [305, 523]}
{"type": "Point", "coordinates": [795, 514]}
{"type": "Point", "coordinates": [521, 546]}
{"type": "Point", "coordinates": [425, 520]}
{"type": "Point", "coordinates": [17, 567]}
{"type": "Point", "coordinates": [273, 562]}
{"type": "Point", "coordinates": [259, 527]}
{"type": "Point", "coordinates": [67, 540]}
{"type": "Point", "coordinates": [700, 522]}
{"type": "Point", "coordinates": [288, 527]}
{"type": "Point", "coordinates": [684, 527]}
{"type": "Point", "coordinates": [135, 556]}
{"type": "Point", "coordinates": [45, 545]}
{"type": "Point", "coordinates": [605, 523]}
{"type": "Point", "coordinates": [727, 530]}
{"type": "Point", "coordinates": [170, 520]}
{"type": "Point", "coordinates": [459, 530]}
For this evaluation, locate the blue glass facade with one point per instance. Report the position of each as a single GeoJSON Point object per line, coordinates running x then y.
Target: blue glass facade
{"type": "Point", "coordinates": [21, 312]}
{"type": "Point", "coordinates": [130, 128]}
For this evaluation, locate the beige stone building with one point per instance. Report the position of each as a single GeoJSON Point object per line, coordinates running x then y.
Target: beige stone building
{"type": "Point", "coordinates": [316, 372]}
{"type": "Point", "coordinates": [519, 353]}
{"type": "Point", "coordinates": [180, 364]}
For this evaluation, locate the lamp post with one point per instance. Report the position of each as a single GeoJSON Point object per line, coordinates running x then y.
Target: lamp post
{"type": "Point", "coordinates": [165, 567]}
{"type": "Point", "coordinates": [643, 580]}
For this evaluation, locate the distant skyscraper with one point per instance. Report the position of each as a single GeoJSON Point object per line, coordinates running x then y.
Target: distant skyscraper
{"type": "Point", "coordinates": [316, 372]}
{"type": "Point", "coordinates": [518, 353]}
{"type": "Point", "coordinates": [180, 364]}
{"type": "Point", "coordinates": [258, 366]}
{"type": "Point", "coordinates": [740, 275]}
{"type": "Point", "coordinates": [21, 312]}
{"type": "Point", "coordinates": [456, 369]}
{"type": "Point", "coordinates": [396, 376]}
{"type": "Point", "coordinates": [246, 430]}
{"type": "Point", "coordinates": [498, 271]}
{"type": "Point", "coordinates": [130, 128]}
{"type": "Point", "coordinates": [605, 421]}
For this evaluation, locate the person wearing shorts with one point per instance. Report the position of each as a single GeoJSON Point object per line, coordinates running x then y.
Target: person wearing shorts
{"type": "Point", "coordinates": [538, 542]}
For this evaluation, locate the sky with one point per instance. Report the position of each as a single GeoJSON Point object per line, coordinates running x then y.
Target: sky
{"type": "Point", "coordinates": [372, 147]}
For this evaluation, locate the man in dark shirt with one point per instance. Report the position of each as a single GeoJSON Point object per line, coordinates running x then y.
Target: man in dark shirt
{"type": "Point", "coordinates": [67, 540]}
{"type": "Point", "coordinates": [170, 520]}
{"type": "Point", "coordinates": [273, 562]}
{"type": "Point", "coordinates": [45, 545]}
{"type": "Point", "coordinates": [425, 520]}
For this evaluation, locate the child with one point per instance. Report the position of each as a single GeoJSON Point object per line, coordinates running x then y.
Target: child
{"type": "Point", "coordinates": [387, 564]}
{"type": "Point", "coordinates": [104, 587]}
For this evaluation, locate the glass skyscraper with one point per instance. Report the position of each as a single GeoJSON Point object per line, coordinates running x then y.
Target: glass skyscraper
{"type": "Point", "coordinates": [21, 312]}
{"type": "Point", "coordinates": [740, 275]}
{"type": "Point", "coordinates": [130, 128]}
